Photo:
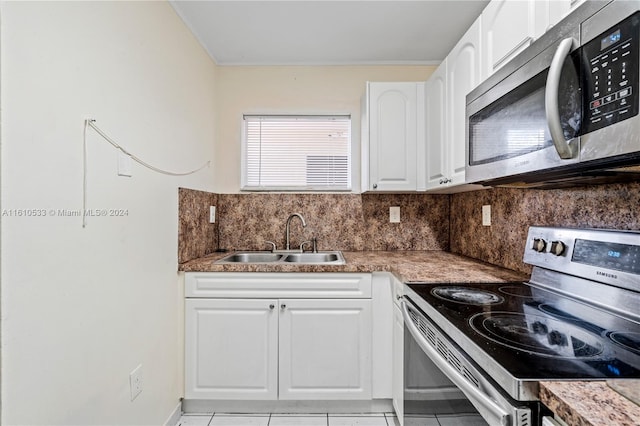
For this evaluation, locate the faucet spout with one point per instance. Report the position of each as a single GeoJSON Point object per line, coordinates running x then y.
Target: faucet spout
{"type": "Point", "coordinates": [304, 224]}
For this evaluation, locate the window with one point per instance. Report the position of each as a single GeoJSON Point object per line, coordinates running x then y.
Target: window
{"type": "Point", "coordinates": [304, 153]}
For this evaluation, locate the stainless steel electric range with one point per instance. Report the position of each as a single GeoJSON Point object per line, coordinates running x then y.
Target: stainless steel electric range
{"type": "Point", "coordinates": [577, 318]}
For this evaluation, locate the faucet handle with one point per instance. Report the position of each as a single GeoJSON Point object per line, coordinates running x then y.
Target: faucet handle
{"type": "Point", "coordinates": [314, 241]}
{"type": "Point", "coordinates": [303, 243]}
{"type": "Point", "coordinates": [273, 245]}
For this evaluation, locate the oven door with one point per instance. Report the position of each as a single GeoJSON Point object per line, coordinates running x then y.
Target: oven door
{"type": "Point", "coordinates": [529, 121]}
{"type": "Point", "coordinates": [426, 390]}
{"type": "Point", "coordinates": [436, 350]}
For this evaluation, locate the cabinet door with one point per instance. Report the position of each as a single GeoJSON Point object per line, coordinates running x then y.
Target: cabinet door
{"type": "Point", "coordinates": [231, 348]}
{"type": "Point", "coordinates": [508, 27]}
{"type": "Point", "coordinates": [392, 136]}
{"type": "Point", "coordinates": [436, 132]}
{"type": "Point", "coordinates": [398, 363]}
{"type": "Point", "coordinates": [463, 75]}
{"type": "Point", "coordinates": [558, 9]}
{"type": "Point", "coordinates": [325, 349]}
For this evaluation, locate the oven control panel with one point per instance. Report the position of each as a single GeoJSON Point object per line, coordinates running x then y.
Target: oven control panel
{"type": "Point", "coordinates": [607, 256]}
{"type": "Point", "coordinates": [610, 64]}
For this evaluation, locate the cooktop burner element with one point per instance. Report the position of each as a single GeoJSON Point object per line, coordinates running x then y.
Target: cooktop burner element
{"type": "Point", "coordinates": [537, 335]}
{"type": "Point", "coordinates": [517, 291]}
{"type": "Point", "coordinates": [466, 295]}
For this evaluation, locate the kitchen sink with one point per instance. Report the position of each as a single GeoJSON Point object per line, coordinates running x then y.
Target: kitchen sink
{"type": "Point", "coordinates": [319, 258]}
{"type": "Point", "coordinates": [327, 257]}
{"type": "Point", "coordinates": [251, 257]}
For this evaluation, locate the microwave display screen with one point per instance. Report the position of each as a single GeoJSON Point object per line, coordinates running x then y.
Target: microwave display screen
{"type": "Point", "coordinates": [610, 40]}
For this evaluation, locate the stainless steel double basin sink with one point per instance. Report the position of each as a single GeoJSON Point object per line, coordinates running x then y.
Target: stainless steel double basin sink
{"type": "Point", "coordinates": [319, 258]}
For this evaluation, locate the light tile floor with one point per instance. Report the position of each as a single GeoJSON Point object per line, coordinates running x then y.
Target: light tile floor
{"type": "Point", "coordinates": [386, 419]}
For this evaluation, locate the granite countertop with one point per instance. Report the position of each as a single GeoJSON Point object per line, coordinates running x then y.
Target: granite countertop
{"type": "Point", "coordinates": [426, 266]}
{"type": "Point", "coordinates": [577, 403]}
{"type": "Point", "coordinates": [589, 403]}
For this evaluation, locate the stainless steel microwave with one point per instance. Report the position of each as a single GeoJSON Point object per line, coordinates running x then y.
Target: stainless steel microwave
{"type": "Point", "coordinates": [565, 111]}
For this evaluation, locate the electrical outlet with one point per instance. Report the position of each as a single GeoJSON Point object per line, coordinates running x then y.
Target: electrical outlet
{"type": "Point", "coordinates": [486, 215]}
{"type": "Point", "coordinates": [212, 214]}
{"type": "Point", "coordinates": [135, 382]}
{"type": "Point", "coordinates": [394, 214]}
{"type": "Point", "coordinates": [124, 164]}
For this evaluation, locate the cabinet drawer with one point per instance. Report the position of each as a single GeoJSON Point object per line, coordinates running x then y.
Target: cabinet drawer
{"type": "Point", "coordinates": [278, 285]}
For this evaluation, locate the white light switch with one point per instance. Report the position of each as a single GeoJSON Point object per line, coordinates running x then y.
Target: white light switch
{"type": "Point", "coordinates": [394, 214]}
{"type": "Point", "coordinates": [212, 214]}
{"type": "Point", "coordinates": [486, 215]}
{"type": "Point", "coordinates": [124, 164]}
{"type": "Point", "coordinates": [135, 382]}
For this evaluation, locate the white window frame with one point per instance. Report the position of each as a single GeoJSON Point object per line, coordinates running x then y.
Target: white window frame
{"type": "Point", "coordinates": [250, 188]}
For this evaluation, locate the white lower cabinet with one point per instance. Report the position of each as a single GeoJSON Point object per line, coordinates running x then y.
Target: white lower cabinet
{"type": "Point", "coordinates": [325, 349]}
{"type": "Point", "coordinates": [231, 348]}
{"type": "Point", "coordinates": [267, 346]}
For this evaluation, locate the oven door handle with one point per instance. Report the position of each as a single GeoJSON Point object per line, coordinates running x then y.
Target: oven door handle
{"type": "Point", "coordinates": [473, 393]}
{"type": "Point", "coordinates": [551, 107]}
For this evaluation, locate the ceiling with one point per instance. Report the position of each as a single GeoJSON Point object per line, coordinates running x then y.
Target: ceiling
{"type": "Point", "coordinates": [328, 32]}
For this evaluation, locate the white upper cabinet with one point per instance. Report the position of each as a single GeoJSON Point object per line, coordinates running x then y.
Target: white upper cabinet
{"type": "Point", "coordinates": [393, 121]}
{"type": "Point", "coordinates": [436, 128]}
{"type": "Point", "coordinates": [463, 75]}
{"type": "Point", "coordinates": [508, 27]}
{"type": "Point", "coordinates": [446, 94]}
{"type": "Point", "coordinates": [558, 9]}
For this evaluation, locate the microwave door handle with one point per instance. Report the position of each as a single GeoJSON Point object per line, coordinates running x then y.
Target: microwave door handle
{"type": "Point", "coordinates": [500, 416]}
{"type": "Point", "coordinates": [551, 98]}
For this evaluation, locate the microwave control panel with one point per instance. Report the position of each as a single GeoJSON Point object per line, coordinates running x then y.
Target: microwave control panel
{"type": "Point", "coordinates": [610, 66]}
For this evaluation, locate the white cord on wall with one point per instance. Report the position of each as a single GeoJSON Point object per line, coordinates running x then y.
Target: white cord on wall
{"type": "Point", "coordinates": [91, 123]}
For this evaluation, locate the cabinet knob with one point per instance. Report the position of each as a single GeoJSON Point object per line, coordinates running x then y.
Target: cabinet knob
{"type": "Point", "coordinates": [272, 306]}
{"type": "Point", "coordinates": [283, 306]}
{"type": "Point", "coordinates": [375, 186]}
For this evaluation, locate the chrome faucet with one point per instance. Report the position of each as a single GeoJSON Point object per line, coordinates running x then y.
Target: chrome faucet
{"type": "Point", "coordinates": [304, 224]}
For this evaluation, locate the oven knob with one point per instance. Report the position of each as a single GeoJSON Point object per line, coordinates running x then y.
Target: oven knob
{"type": "Point", "coordinates": [557, 338]}
{"type": "Point", "coordinates": [557, 248]}
{"type": "Point", "coordinates": [539, 328]}
{"type": "Point", "coordinates": [539, 245]}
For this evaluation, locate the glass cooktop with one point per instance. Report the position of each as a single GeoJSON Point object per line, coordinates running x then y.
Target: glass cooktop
{"type": "Point", "coordinates": [535, 334]}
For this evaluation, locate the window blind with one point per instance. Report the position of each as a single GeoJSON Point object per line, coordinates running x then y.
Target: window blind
{"type": "Point", "coordinates": [297, 152]}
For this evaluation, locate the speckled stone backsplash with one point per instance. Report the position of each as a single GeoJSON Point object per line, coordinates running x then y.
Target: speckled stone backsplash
{"type": "Point", "coordinates": [615, 206]}
{"type": "Point", "coordinates": [349, 222]}
{"type": "Point", "coordinates": [196, 236]}
{"type": "Point", "coordinates": [354, 222]}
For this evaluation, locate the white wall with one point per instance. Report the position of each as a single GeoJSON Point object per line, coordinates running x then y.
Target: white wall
{"type": "Point", "coordinates": [81, 308]}
{"type": "Point", "coordinates": [292, 90]}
